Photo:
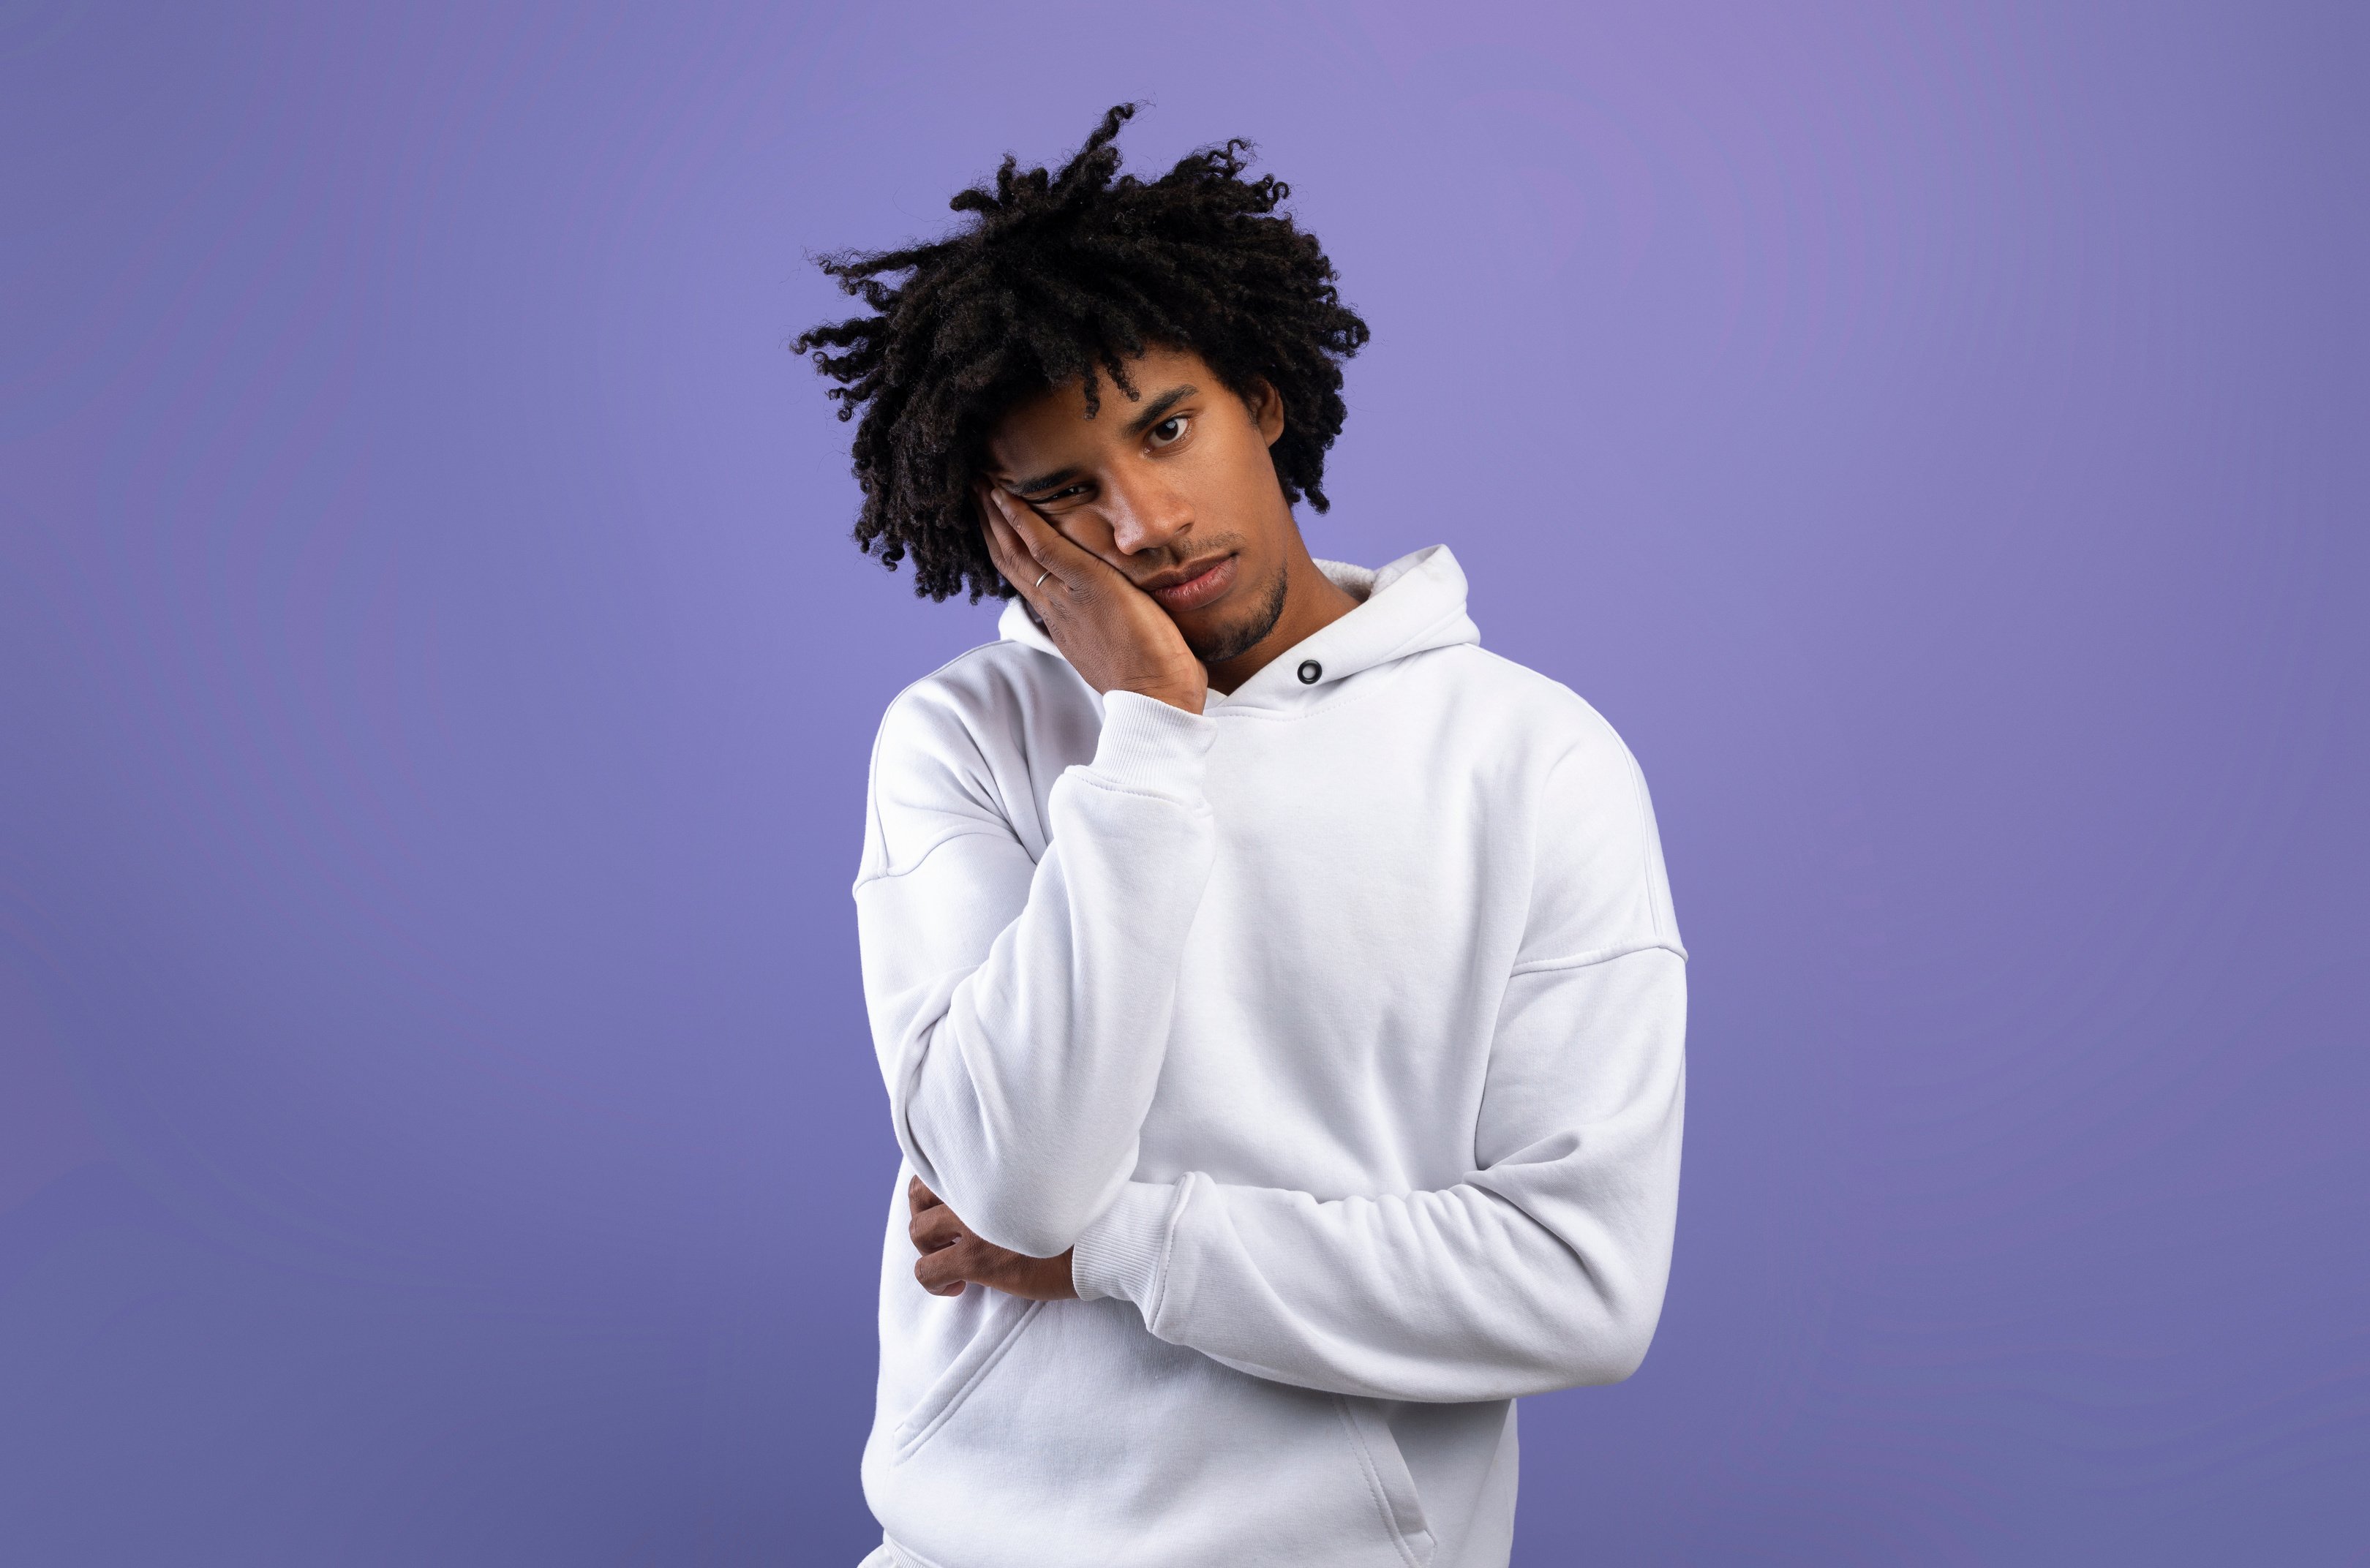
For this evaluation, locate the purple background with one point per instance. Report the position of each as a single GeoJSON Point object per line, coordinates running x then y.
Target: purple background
{"type": "Point", "coordinates": [437, 1123]}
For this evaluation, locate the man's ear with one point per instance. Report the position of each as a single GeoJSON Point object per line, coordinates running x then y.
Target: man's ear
{"type": "Point", "coordinates": [1267, 410]}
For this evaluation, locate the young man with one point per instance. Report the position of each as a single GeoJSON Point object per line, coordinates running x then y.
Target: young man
{"type": "Point", "coordinates": [1279, 996]}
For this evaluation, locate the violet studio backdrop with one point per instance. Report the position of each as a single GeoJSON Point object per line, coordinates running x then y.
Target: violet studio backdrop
{"type": "Point", "coordinates": [437, 1122]}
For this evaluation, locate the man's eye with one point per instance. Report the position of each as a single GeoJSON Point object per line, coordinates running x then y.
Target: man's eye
{"type": "Point", "coordinates": [1169, 429]}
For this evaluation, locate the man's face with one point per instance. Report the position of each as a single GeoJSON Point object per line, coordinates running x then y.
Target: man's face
{"type": "Point", "coordinates": [1173, 488]}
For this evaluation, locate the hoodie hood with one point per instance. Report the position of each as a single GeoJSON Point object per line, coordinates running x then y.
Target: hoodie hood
{"type": "Point", "coordinates": [1412, 605]}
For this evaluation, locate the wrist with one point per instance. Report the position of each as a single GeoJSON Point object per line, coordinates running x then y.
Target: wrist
{"type": "Point", "coordinates": [1189, 699]}
{"type": "Point", "coordinates": [1151, 745]}
{"type": "Point", "coordinates": [1124, 1253]}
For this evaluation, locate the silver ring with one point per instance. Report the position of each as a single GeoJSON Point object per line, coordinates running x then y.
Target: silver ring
{"type": "Point", "coordinates": [1040, 580]}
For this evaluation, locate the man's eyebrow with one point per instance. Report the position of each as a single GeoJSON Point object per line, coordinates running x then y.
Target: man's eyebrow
{"type": "Point", "coordinates": [1158, 409]}
{"type": "Point", "coordinates": [1043, 482]}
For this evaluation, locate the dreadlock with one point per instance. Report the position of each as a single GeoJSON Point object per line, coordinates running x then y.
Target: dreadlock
{"type": "Point", "coordinates": [1058, 277]}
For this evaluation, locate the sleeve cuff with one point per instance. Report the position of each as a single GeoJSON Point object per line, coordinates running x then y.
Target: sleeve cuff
{"type": "Point", "coordinates": [1125, 1251]}
{"type": "Point", "coordinates": [1146, 744]}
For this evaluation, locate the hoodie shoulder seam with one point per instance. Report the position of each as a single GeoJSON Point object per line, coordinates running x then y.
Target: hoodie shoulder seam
{"type": "Point", "coordinates": [872, 766]}
{"type": "Point", "coordinates": [968, 653]}
{"type": "Point", "coordinates": [1589, 960]}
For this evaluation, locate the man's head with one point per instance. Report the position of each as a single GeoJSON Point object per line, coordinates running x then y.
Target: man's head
{"type": "Point", "coordinates": [1175, 488]}
{"type": "Point", "coordinates": [986, 363]}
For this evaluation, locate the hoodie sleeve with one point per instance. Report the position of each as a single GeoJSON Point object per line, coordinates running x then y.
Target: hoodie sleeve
{"type": "Point", "coordinates": [1545, 1265]}
{"type": "Point", "coordinates": [1020, 1010]}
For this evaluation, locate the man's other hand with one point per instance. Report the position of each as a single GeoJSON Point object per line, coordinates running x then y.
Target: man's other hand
{"type": "Point", "coordinates": [953, 1257]}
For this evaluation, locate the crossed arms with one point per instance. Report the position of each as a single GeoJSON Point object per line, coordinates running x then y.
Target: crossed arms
{"type": "Point", "coordinates": [1019, 1011]}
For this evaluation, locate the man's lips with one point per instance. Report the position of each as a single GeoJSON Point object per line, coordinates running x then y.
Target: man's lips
{"type": "Point", "coordinates": [1189, 592]}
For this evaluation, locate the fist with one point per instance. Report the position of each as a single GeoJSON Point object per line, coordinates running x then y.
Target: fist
{"type": "Point", "coordinates": [953, 1257]}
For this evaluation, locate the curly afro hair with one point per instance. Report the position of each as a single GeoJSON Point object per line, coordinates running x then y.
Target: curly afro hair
{"type": "Point", "coordinates": [1056, 276]}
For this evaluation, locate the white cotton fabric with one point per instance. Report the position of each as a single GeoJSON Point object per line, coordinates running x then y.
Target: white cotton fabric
{"type": "Point", "coordinates": [1338, 1028]}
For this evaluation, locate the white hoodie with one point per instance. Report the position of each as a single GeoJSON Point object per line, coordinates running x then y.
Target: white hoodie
{"type": "Point", "coordinates": [1338, 1027]}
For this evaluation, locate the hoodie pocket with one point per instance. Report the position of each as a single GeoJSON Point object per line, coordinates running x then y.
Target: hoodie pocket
{"type": "Point", "coordinates": [1387, 1473]}
{"type": "Point", "coordinates": [964, 1373]}
{"type": "Point", "coordinates": [1085, 1441]}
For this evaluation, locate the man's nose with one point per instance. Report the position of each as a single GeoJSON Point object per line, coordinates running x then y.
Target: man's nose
{"type": "Point", "coordinates": [1146, 514]}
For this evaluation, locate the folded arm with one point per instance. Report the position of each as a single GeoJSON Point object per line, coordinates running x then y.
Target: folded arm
{"type": "Point", "coordinates": [1019, 1009]}
{"type": "Point", "coordinates": [1544, 1269]}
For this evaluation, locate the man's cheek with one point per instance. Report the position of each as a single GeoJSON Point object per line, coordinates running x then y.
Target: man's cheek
{"type": "Point", "coordinates": [1089, 533]}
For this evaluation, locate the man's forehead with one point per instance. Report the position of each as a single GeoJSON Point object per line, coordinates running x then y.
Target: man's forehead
{"type": "Point", "coordinates": [1049, 421]}
{"type": "Point", "coordinates": [1060, 414]}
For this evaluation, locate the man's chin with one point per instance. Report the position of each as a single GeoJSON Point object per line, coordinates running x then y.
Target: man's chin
{"type": "Point", "coordinates": [1229, 633]}
{"type": "Point", "coordinates": [1217, 648]}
